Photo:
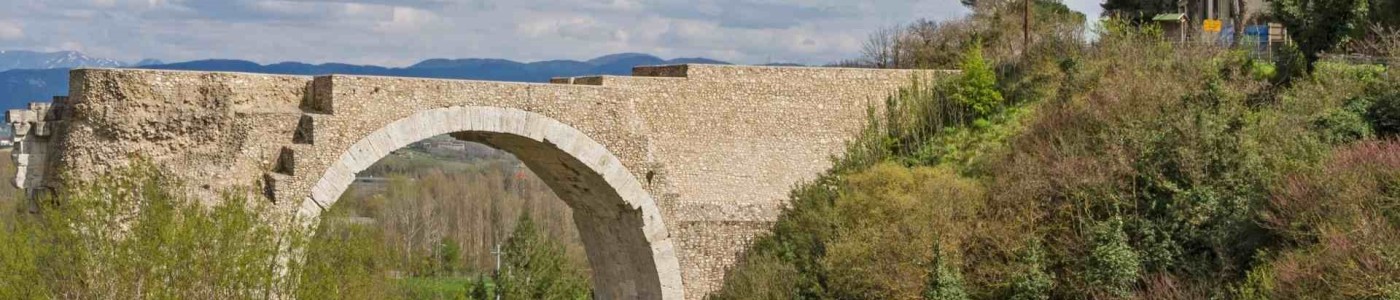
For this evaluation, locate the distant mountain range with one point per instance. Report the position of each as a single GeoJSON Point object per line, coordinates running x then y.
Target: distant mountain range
{"type": "Point", "coordinates": [10, 60]}
{"type": "Point", "coordinates": [44, 77]}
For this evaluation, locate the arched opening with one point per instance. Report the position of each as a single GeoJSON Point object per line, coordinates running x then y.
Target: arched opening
{"type": "Point", "coordinates": [626, 241]}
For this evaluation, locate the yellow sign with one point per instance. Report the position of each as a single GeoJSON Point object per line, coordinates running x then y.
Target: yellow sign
{"type": "Point", "coordinates": [1211, 25]}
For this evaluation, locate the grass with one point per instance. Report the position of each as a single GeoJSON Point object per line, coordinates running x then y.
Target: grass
{"type": "Point", "coordinates": [450, 287]}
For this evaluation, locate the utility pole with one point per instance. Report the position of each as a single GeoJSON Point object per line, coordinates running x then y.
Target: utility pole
{"type": "Point", "coordinates": [497, 273]}
{"type": "Point", "coordinates": [497, 251]}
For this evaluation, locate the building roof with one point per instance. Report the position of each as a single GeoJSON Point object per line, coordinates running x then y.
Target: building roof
{"type": "Point", "coordinates": [1169, 17]}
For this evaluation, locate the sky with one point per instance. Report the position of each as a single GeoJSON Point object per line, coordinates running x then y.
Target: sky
{"type": "Point", "coordinates": [402, 32]}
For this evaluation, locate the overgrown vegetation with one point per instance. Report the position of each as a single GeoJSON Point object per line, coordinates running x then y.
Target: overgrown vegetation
{"type": "Point", "coordinates": [129, 236]}
{"type": "Point", "coordinates": [536, 267]}
{"type": "Point", "coordinates": [134, 235]}
{"type": "Point", "coordinates": [1138, 169]}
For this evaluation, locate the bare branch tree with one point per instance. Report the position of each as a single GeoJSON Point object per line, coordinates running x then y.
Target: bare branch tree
{"type": "Point", "coordinates": [879, 47]}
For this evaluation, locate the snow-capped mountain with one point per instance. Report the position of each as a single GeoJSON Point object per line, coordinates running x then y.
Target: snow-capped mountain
{"type": "Point", "coordinates": [18, 59]}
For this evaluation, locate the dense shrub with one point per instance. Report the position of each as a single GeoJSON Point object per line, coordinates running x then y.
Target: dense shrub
{"type": "Point", "coordinates": [536, 267]}
{"type": "Point", "coordinates": [1343, 221]}
{"type": "Point", "coordinates": [977, 85]}
{"type": "Point", "coordinates": [892, 216]}
{"type": "Point", "coordinates": [1032, 281]}
{"type": "Point", "coordinates": [1150, 170]}
{"type": "Point", "coordinates": [346, 260]}
{"type": "Point", "coordinates": [1289, 65]}
{"type": "Point", "coordinates": [1112, 266]}
{"type": "Point", "coordinates": [943, 280]}
{"type": "Point", "coordinates": [133, 234]}
{"type": "Point", "coordinates": [1345, 124]}
{"type": "Point", "coordinates": [130, 235]}
{"type": "Point", "coordinates": [1384, 112]}
{"type": "Point", "coordinates": [851, 233]}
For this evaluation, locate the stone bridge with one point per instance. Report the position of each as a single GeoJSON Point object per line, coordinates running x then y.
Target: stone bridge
{"type": "Point", "coordinates": [669, 172]}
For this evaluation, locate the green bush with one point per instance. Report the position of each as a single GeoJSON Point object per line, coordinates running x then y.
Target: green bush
{"type": "Point", "coordinates": [346, 260]}
{"type": "Point", "coordinates": [1033, 281]}
{"type": "Point", "coordinates": [761, 276]}
{"type": "Point", "coordinates": [536, 267]}
{"type": "Point", "coordinates": [892, 214]}
{"type": "Point", "coordinates": [1345, 124]}
{"type": "Point", "coordinates": [130, 235]}
{"type": "Point", "coordinates": [1289, 65]}
{"type": "Point", "coordinates": [1384, 113]}
{"type": "Point", "coordinates": [1112, 266]}
{"type": "Point", "coordinates": [134, 234]}
{"type": "Point", "coordinates": [977, 85]}
{"type": "Point", "coordinates": [1258, 285]}
{"type": "Point", "coordinates": [943, 280]}
{"type": "Point", "coordinates": [481, 289]}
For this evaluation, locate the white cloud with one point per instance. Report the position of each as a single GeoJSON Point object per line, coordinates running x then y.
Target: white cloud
{"type": "Point", "coordinates": [402, 32]}
{"type": "Point", "coordinates": [405, 20]}
{"type": "Point", "coordinates": [10, 30]}
{"type": "Point", "coordinates": [70, 46]}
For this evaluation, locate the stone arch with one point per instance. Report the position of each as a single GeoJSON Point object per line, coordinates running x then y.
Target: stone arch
{"type": "Point", "coordinates": [628, 245]}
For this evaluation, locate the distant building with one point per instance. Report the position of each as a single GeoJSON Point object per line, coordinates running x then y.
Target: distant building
{"type": "Point", "coordinates": [1174, 26]}
{"type": "Point", "coordinates": [1213, 22]}
{"type": "Point", "coordinates": [444, 145]}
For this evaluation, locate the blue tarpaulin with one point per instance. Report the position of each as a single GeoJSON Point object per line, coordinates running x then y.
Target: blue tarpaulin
{"type": "Point", "coordinates": [1252, 33]}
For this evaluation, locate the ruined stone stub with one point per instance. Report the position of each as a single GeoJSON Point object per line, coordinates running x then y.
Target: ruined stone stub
{"type": "Point", "coordinates": [33, 130]}
{"type": "Point", "coordinates": [670, 173]}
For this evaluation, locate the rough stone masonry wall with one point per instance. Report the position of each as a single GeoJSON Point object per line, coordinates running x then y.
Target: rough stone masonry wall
{"type": "Point", "coordinates": [215, 131]}
{"type": "Point", "coordinates": [717, 147]}
{"type": "Point", "coordinates": [734, 140]}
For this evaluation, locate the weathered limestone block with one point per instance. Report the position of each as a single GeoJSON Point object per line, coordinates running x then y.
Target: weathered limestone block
{"type": "Point", "coordinates": [33, 130]}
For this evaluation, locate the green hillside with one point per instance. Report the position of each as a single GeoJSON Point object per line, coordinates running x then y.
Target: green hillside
{"type": "Point", "coordinates": [1122, 168]}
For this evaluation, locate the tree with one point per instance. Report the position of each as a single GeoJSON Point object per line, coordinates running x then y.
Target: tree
{"type": "Point", "coordinates": [1384, 13]}
{"type": "Point", "coordinates": [1033, 282]}
{"type": "Point", "coordinates": [449, 254]}
{"type": "Point", "coordinates": [977, 88]}
{"type": "Point", "coordinates": [1241, 15]}
{"type": "Point", "coordinates": [943, 281]}
{"type": "Point", "coordinates": [879, 48]}
{"type": "Point", "coordinates": [480, 291]}
{"type": "Point", "coordinates": [1112, 266]}
{"type": "Point", "coordinates": [1384, 113]}
{"type": "Point", "coordinates": [1320, 25]}
{"type": "Point", "coordinates": [536, 267]}
{"type": "Point", "coordinates": [1289, 65]}
{"type": "Point", "coordinates": [1138, 10]}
